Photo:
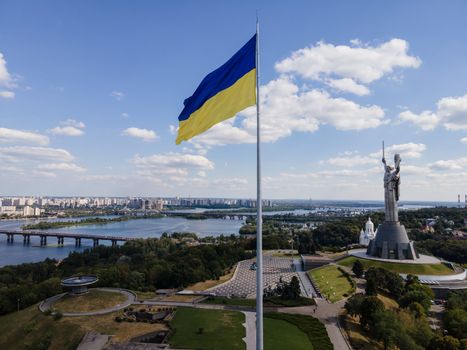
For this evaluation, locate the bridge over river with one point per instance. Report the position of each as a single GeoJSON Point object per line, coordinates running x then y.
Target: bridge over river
{"type": "Point", "coordinates": [26, 235]}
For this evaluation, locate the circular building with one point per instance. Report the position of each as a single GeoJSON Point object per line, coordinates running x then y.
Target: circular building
{"type": "Point", "coordinates": [79, 284]}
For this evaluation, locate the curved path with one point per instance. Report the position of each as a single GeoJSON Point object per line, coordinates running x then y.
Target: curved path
{"type": "Point", "coordinates": [131, 297]}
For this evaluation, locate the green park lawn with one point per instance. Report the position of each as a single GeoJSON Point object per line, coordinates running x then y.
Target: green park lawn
{"type": "Point", "coordinates": [279, 334]}
{"type": "Point", "coordinates": [220, 329]}
{"type": "Point", "coordinates": [223, 330]}
{"type": "Point", "coordinates": [416, 269]}
{"type": "Point", "coordinates": [332, 282]}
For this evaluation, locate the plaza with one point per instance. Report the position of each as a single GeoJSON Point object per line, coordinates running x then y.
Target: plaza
{"type": "Point", "coordinates": [243, 282]}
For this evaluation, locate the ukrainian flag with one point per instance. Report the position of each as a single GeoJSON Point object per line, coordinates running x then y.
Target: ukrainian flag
{"type": "Point", "coordinates": [222, 94]}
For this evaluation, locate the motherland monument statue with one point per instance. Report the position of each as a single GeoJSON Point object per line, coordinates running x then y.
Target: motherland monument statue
{"type": "Point", "coordinates": [391, 241]}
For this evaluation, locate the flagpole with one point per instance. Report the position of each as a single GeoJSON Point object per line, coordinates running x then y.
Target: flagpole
{"type": "Point", "coordinates": [259, 214]}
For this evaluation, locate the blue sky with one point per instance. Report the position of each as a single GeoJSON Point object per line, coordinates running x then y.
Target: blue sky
{"type": "Point", "coordinates": [90, 93]}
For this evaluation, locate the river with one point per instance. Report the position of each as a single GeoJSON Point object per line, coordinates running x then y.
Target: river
{"type": "Point", "coordinates": [17, 253]}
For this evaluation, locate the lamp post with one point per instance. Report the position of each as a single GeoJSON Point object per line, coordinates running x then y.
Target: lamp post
{"type": "Point", "coordinates": [18, 303]}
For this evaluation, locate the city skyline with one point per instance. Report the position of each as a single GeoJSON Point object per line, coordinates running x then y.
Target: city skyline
{"type": "Point", "coordinates": [92, 110]}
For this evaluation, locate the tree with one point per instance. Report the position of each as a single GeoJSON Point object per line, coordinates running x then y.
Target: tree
{"type": "Point", "coordinates": [417, 309]}
{"type": "Point", "coordinates": [444, 343]}
{"type": "Point", "coordinates": [370, 306]}
{"type": "Point", "coordinates": [371, 288]}
{"type": "Point", "coordinates": [353, 305]}
{"type": "Point", "coordinates": [455, 321]}
{"type": "Point", "coordinates": [386, 328]}
{"type": "Point", "coordinates": [415, 296]}
{"type": "Point", "coordinates": [358, 268]}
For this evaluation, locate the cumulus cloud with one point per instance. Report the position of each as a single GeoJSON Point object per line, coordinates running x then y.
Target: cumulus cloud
{"type": "Point", "coordinates": [44, 174]}
{"type": "Point", "coordinates": [69, 127]}
{"type": "Point", "coordinates": [426, 120]}
{"type": "Point", "coordinates": [172, 168]}
{"type": "Point", "coordinates": [6, 80]}
{"type": "Point", "coordinates": [104, 177]}
{"type": "Point", "coordinates": [464, 140]}
{"type": "Point", "coordinates": [13, 135]}
{"type": "Point", "coordinates": [7, 94]}
{"type": "Point", "coordinates": [358, 63]}
{"type": "Point", "coordinates": [71, 167]}
{"type": "Point", "coordinates": [288, 108]}
{"type": "Point", "coordinates": [451, 112]}
{"type": "Point", "coordinates": [174, 160]}
{"type": "Point", "coordinates": [144, 134]}
{"type": "Point", "coordinates": [230, 182]}
{"type": "Point", "coordinates": [352, 161]}
{"type": "Point", "coordinates": [22, 153]}
{"type": "Point", "coordinates": [348, 85]}
{"type": "Point", "coordinates": [451, 164]}
{"type": "Point", "coordinates": [118, 95]}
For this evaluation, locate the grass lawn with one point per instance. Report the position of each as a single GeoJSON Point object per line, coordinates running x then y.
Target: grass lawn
{"type": "Point", "coordinates": [200, 286]}
{"type": "Point", "coordinates": [313, 329]}
{"type": "Point", "coordinates": [30, 326]}
{"type": "Point", "coordinates": [279, 335]}
{"type": "Point", "coordinates": [145, 295]}
{"type": "Point", "coordinates": [181, 298]}
{"type": "Point", "coordinates": [220, 329]}
{"type": "Point", "coordinates": [332, 282]}
{"type": "Point", "coordinates": [417, 269]}
{"type": "Point", "coordinates": [94, 300]}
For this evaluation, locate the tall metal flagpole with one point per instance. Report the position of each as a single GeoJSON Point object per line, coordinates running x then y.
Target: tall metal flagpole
{"type": "Point", "coordinates": [259, 214]}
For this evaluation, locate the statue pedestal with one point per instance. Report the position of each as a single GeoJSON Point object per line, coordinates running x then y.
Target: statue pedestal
{"type": "Point", "coordinates": [392, 242]}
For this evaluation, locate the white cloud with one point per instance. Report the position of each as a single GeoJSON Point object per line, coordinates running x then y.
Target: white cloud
{"type": "Point", "coordinates": [74, 123]}
{"type": "Point", "coordinates": [426, 120]}
{"type": "Point", "coordinates": [69, 127]}
{"type": "Point", "coordinates": [144, 134]}
{"type": "Point", "coordinates": [286, 108]}
{"type": "Point", "coordinates": [451, 164]}
{"type": "Point", "coordinates": [348, 85]}
{"type": "Point", "coordinates": [44, 174]}
{"type": "Point", "coordinates": [173, 169]}
{"type": "Point", "coordinates": [352, 161]}
{"type": "Point", "coordinates": [66, 131]}
{"type": "Point", "coordinates": [71, 167]}
{"type": "Point", "coordinates": [118, 95]}
{"type": "Point", "coordinates": [7, 94]}
{"type": "Point", "coordinates": [406, 150]}
{"type": "Point", "coordinates": [22, 153]}
{"type": "Point", "coordinates": [125, 115]}
{"type": "Point", "coordinates": [104, 177]}
{"type": "Point", "coordinates": [174, 160]}
{"type": "Point", "coordinates": [451, 112]}
{"type": "Point", "coordinates": [230, 182]}
{"type": "Point", "coordinates": [5, 77]}
{"type": "Point", "coordinates": [6, 80]}
{"type": "Point", "coordinates": [13, 135]}
{"type": "Point", "coordinates": [363, 64]}
{"type": "Point", "coordinates": [464, 140]}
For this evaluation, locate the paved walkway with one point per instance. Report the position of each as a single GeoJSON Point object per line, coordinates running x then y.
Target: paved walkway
{"type": "Point", "coordinates": [307, 288]}
{"type": "Point", "coordinates": [250, 326]}
{"type": "Point", "coordinates": [131, 297]}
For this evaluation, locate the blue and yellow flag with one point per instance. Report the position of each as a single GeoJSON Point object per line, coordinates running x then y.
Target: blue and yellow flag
{"type": "Point", "coordinates": [222, 94]}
